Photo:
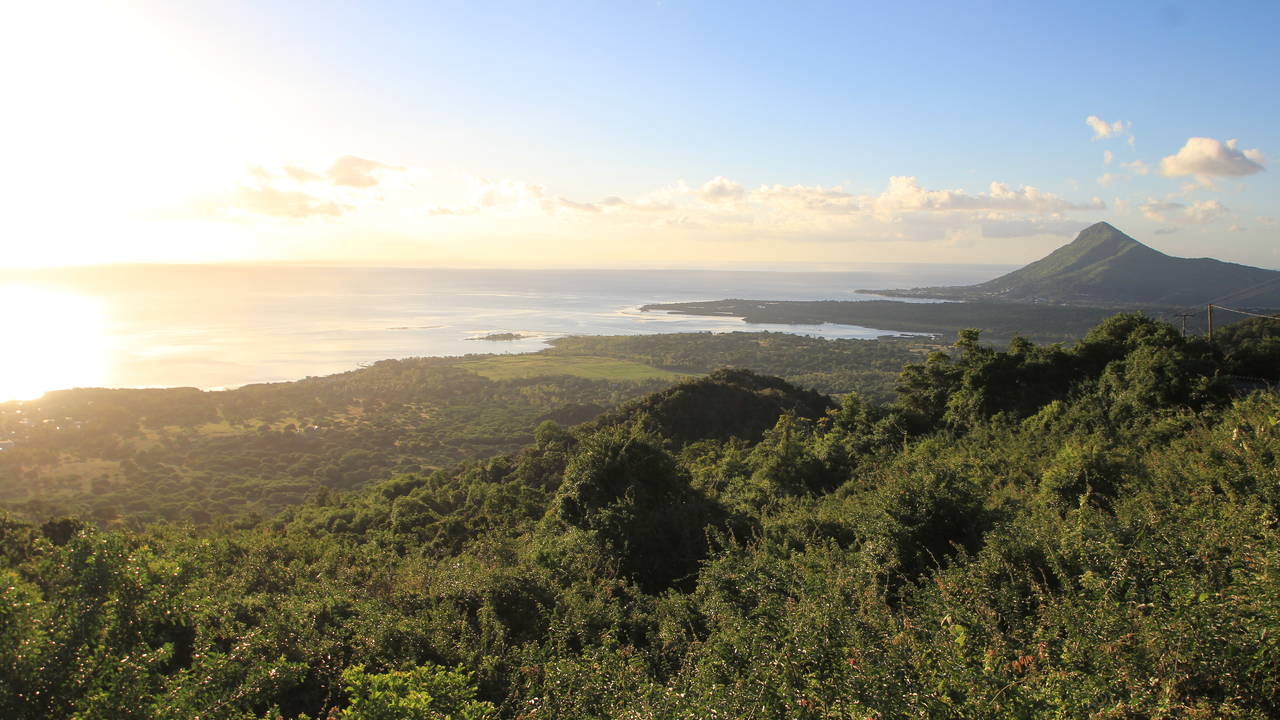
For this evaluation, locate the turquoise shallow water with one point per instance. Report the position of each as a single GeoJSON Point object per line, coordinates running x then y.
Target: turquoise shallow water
{"type": "Point", "coordinates": [224, 326]}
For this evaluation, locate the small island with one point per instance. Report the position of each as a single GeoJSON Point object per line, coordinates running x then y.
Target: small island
{"type": "Point", "coordinates": [502, 336]}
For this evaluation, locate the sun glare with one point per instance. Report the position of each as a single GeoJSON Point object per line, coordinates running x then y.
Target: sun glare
{"type": "Point", "coordinates": [53, 340]}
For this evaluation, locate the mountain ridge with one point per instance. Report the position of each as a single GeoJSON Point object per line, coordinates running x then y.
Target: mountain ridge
{"type": "Point", "coordinates": [1105, 267]}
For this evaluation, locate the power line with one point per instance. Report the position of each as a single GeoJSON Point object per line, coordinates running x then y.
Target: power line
{"type": "Point", "coordinates": [1211, 306]}
{"type": "Point", "coordinates": [1243, 312]}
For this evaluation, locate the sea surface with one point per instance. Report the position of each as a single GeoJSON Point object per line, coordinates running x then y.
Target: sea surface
{"type": "Point", "coordinates": [226, 326]}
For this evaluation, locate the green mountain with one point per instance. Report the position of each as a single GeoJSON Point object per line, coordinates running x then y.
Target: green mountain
{"type": "Point", "coordinates": [1103, 266]}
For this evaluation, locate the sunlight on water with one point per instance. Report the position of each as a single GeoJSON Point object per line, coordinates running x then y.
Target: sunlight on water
{"type": "Point", "coordinates": [52, 340]}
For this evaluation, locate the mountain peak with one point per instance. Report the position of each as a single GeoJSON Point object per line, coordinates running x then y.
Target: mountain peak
{"type": "Point", "coordinates": [1103, 266]}
{"type": "Point", "coordinates": [1096, 246]}
{"type": "Point", "coordinates": [1102, 233]}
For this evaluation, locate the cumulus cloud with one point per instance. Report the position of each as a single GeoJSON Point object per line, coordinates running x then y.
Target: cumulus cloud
{"type": "Point", "coordinates": [1107, 157]}
{"type": "Point", "coordinates": [1207, 158]}
{"type": "Point", "coordinates": [904, 211]}
{"type": "Point", "coordinates": [905, 194]}
{"type": "Point", "coordinates": [1103, 129]}
{"type": "Point", "coordinates": [1199, 212]}
{"type": "Point", "coordinates": [1106, 179]}
{"type": "Point", "coordinates": [1204, 211]}
{"type": "Point", "coordinates": [809, 198]}
{"type": "Point", "coordinates": [721, 190]}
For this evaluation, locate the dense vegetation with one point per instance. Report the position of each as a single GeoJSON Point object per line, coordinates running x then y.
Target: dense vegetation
{"type": "Point", "coordinates": [834, 367]}
{"type": "Point", "coordinates": [1084, 532]}
{"type": "Point", "coordinates": [181, 455]}
{"type": "Point", "coordinates": [186, 455]}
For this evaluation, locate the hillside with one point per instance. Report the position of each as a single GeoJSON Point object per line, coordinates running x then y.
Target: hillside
{"type": "Point", "coordinates": [181, 455]}
{"type": "Point", "coordinates": [1070, 532]}
{"type": "Point", "coordinates": [1105, 267]}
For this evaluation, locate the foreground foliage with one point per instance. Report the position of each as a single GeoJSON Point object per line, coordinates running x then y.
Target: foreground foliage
{"type": "Point", "coordinates": [1038, 532]}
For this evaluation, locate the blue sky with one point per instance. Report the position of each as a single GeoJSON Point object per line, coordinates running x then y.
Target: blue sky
{"type": "Point", "coordinates": [660, 133]}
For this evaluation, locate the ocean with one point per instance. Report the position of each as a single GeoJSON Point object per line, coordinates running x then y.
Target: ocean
{"type": "Point", "coordinates": [225, 326]}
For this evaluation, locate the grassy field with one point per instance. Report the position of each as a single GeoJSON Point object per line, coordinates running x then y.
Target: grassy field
{"type": "Point", "coordinates": [506, 367]}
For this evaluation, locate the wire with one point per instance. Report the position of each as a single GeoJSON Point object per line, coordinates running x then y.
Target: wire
{"type": "Point", "coordinates": [1246, 312]}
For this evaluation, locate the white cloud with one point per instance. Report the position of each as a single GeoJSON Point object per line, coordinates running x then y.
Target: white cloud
{"type": "Point", "coordinates": [806, 198]}
{"type": "Point", "coordinates": [1107, 157]}
{"type": "Point", "coordinates": [904, 194]}
{"type": "Point", "coordinates": [1204, 211]}
{"type": "Point", "coordinates": [904, 211]}
{"type": "Point", "coordinates": [1103, 129]}
{"type": "Point", "coordinates": [1199, 212]}
{"type": "Point", "coordinates": [1106, 179]}
{"type": "Point", "coordinates": [1206, 158]}
{"type": "Point", "coordinates": [720, 190]}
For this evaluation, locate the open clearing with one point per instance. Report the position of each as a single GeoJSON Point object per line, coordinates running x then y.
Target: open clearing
{"type": "Point", "coordinates": [506, 367]}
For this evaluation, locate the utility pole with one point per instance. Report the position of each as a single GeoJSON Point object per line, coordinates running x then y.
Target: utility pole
{"type": "Point", "coordinates": [1184, 317]}
{"type": "Point", "coordinates": [1210, 308]}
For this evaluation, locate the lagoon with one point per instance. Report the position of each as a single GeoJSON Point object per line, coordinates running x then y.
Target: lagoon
{"type": "Point", "coordinates": [225, 326]}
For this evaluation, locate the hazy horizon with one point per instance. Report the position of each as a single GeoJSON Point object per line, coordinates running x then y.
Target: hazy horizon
{"type": "Point", "coordinates": [226, 326]}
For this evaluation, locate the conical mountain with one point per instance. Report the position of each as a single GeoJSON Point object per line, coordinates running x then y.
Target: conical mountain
{"type": "Point", "coordinates": [1103, 266]}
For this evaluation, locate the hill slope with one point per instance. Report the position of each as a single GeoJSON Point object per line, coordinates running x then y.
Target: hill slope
{"type": "Point", "coordinates": [1103, 266]}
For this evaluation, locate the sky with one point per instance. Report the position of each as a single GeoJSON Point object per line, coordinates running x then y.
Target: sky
{"type": "Point", "coordinates": [634, 134]}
